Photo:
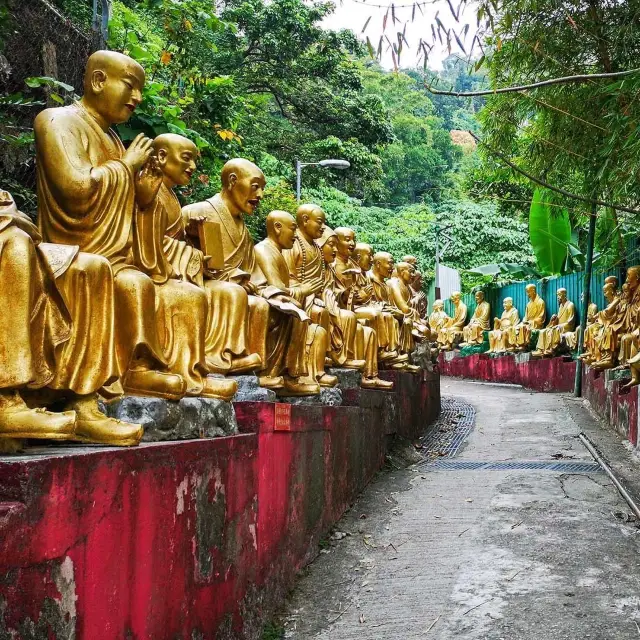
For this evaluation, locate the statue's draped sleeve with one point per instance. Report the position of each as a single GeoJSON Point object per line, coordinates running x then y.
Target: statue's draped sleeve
{"type": "Point", "coordinates": [482, 314]}
{"type": "Point", "coordinates": [567, 316]}
{"type": "Point", "coordinates": [86, 194]}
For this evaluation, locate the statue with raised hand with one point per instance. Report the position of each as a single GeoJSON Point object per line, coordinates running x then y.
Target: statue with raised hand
{"type": "Point", "coordinates": [552, 337]}
{"type": "Point", "coordinates": [451, 333]}
{"type": "Point", "coordinates": [534, 317]}
{"type": "Point", "coordinates": [93, 193]}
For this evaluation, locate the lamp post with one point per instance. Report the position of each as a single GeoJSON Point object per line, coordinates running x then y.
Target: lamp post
{"type": "Point", "coordinates": [326, 164]}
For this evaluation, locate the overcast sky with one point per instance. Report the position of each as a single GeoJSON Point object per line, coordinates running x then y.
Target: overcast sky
{"type": "Point", "coordinates": [353, 15]}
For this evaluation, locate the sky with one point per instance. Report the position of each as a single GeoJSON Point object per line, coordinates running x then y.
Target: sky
{"type": "Point", "coordinates": [353, 14]}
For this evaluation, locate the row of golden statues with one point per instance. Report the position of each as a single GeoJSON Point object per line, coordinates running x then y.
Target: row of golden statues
{"type": "Point", "coordinates": [119, 289]}
{"type": "Point", "coordinates": [611, 336]}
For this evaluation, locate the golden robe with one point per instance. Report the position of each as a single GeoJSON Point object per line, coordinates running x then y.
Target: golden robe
{"type": "Point", "coordinates": [308, 340]}
{"type": "Point", "coordinates": [605, 341]}
{"type": "Point", "coordinates": [549, 339]}
{"type": "Point", "coordinates": [86, 197]}
{"type": "Point", "coordinates": [227, 303]}
{"type": "Point", "coordinates": [437, 320]}
{"type": "Point", "coordinates": [419, 303]}
{"type": "Point", "coordinates": [452, 330]}
{"type": "Point", "coordinates": [239, 263]}
{"type": "Point", "coordinates": [37, 323]}
{"type": "Point", "coordinates": [499, 338]}
{"type": "Point", "coordinates": [400, 297]}
{"type": "Point", "coordinates": [589, 331]}
{"type": "Point", "coordinates": [472, 333]}
{"type": "Point", "coordinates": [629, 333]}
{"type": "Point", "coordinates": [534, 317]}
{"type": "Point", "coordinates": [354, 297]}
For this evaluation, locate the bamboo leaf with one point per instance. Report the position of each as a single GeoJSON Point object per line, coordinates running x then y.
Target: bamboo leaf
{"type": "Point", "coordinates": [366, 24]}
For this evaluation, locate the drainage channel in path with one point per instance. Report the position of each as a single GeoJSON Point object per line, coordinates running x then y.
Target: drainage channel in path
{"type": "Point", "coordinates": [450, 432]}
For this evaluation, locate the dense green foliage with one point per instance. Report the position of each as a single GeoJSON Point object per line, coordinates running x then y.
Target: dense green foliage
{"type": "Point", "coordinates": [263, 80]}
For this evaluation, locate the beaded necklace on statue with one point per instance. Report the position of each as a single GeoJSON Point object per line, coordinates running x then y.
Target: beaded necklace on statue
{"type": "Point", "coordinates": [302, 271]}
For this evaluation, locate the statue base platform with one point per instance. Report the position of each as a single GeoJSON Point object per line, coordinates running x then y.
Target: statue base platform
{"type": "Point", "coordinates": [249, 390]}
{"type": "Point", "coordinates": [328, 396]}
{"type": "Point", "coordinates": [188, 419]}
{"type": "Point", "coordinates": [347, 378]}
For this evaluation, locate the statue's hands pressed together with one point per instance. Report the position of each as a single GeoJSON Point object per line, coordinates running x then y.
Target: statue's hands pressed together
{"type": "Point", "coordinates": [138, 153]}
{"type": "Point", "coordinates": [148, 182]}
{"type": "Point", "coordinates": [315, 285]}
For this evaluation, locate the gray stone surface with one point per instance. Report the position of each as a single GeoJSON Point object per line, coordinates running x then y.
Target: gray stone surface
{"type": "Point", "coordinates": [522, 358]}
{"type": "Point", "coordinates": [331, 396]}
{"type": "Point", "coordinates": [249, 390]}
{"type": "Point", "coordinates": [478, 554]}
{"type": "Point", "coordinates": [424, 356]}
{"type": "Point", "coordinates": [347, 378]}
{"type": "Point", "coordinates": [451, 355]}
{"type": "Point", "coordinates": [187, 419]}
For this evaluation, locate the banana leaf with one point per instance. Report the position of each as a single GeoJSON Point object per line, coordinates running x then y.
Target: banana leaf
{"type": "Point", "coordinates": [549, 233]}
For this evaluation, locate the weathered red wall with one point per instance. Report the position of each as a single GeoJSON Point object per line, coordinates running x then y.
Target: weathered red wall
{"type": "Point", "coordinates": [196, 539]}
{"type": "Point", "coordinates": [614, 405]}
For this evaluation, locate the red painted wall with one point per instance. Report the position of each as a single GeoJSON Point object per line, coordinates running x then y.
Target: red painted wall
{"type": "Point", "coordinates": [196, 539]}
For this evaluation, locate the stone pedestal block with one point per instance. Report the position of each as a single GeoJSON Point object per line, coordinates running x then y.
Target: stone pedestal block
{"type": "Point", "coordinates": [188, 419]}
{"type": "Point", "coordinates": [328, 396]}
{"type": "Point", "coordinates": [249, 390]}
{"type": "Point", "coordinates": [347, 378]}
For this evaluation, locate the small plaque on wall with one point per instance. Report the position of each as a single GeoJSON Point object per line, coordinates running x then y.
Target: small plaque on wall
{"type": "Point", "coordinates": [282, 417]}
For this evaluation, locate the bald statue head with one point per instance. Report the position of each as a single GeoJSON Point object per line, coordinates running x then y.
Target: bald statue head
{"type": "Point", "coordinates": [113, 86]}
{"type": "Point", "coordinates": [382, 264]}
{"type": "Point", "coordinates": [176, 157]}
{"type": "Point", "coordinates": [243, 186]}
{"type": "Point", "coordinates": [363, 255]}
{"type": "Point", "coordinates": [611, 280]}
{"type": "Point", "coordinates": [405, 272]}
{"type": "Point", "coordinates": [507, 303]}
{"type": "Point", "coordinates": [633, 276]}
{"type": "Point", "coordinates": [531, 292]}
{"type": "Point", "coordinates": [438, 305]}
{"type": "Point", "coordinates": [609, 290]}
{"type": "Point", "coordinates": [281, 229]}
{"type": "Point", "coordinates": [455, 297]}
{"type": "Point", "coordinates": [479, 296]}
{"type": "Point", "coordinates": [411, 260]}
{"type": "Point", "coordinates": [311, 220]}
{"type": "Point", "coordinates": [346, 241]}
{"type": "Point", "coordinates": [561, 295]}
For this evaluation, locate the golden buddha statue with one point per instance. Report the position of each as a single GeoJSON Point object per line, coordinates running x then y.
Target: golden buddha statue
{"type": "Point", "coordinates": [281, 230]}
{"type": "Point", "coordinates": [630, 332]}
{"type": "Point", "coordinates": [595, 326]}
{"type": "Point", "coordinates": [309, 272]}
{"type": "Point", "coordinates": [473, 332]}
{"type": "Point", "coordinates": [534, 317]}
{"type": "Point", "coordinates": [592, 318]}
{"type": "Point", "coordinates": [451, 332]}
{"type": "Point", "coordinates": [610, 321]}
{"type": "Point", "coordinates": [358, 296]}
{"type": "Point", "coordinates": [269, 329]}
{"type": "Point", "coordinates": [92, 193]}
{"type": "Point", "coordinates": [364, 347]}
{"type": "Point", "coordinates": [401, 295]}
{"type": "Point", "coordinates": [499, 337]}
{"type": "Point", "coordinates": [226, 341]}
{"type": "Point", "coordinates": [438, 318]}
{"type": "Point", "coordinates": [419, 298]}
{"type": "Point", "coordinates": [42, 349]}
{"type": "Point", "coordinates": [552, 337]}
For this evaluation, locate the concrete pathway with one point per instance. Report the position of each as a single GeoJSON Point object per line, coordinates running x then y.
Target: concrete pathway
{"type": "Point", "coordinates": [481, 553]}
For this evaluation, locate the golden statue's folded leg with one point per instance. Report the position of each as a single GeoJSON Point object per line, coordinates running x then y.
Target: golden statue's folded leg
{"type": "Point", "coordinates": [367, 342]}
{"type": "Point", "coordinates": [317, 343]}
{"type": "Point", "coordinates": [88, 360]}
{"type": "Point", "coordinates": [345, 356]}
{"type": "Point", "coordinates": [258, 330]}
{"type": "Point", "coordinates": [542, 345]}
{"type": "Point", "coordinates": [226, 343]}
{"type": "Point", "coordinates": [140, 356]}
{"type": "Point", "coordinates": [182, 315]}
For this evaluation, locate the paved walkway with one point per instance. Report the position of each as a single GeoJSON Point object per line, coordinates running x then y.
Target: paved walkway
{"type": "Point", "coordinates": [483, 553]}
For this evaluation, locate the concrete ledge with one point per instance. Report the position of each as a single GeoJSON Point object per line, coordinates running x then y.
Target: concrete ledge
{"type": "Point", "coordinates": [191, 539]}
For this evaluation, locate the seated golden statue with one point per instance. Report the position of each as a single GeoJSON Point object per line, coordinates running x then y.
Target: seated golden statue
{"type": "Point", "coordinates": [281, 229]}
{"type": "Point", "coordinates": [271, 334]}
{"type": "Point", "coordinates": [438, 318]}
{"type": "Point", "coordinates": [365, 345]}
{"type": "Point", "coordinates": [534, 317]}
{"type": "Point", "coordinates": [358, 296]}
{"type": "Point", "coordinates": [610, 323]}
{"type": "Point", "coordinates": [473, 332]}
{"type": "Point", "coordinates": [451, 332]}
{"type": "Point", "coordinates": [41, 349]}
{"type": "Point", "coordinates": [419, 298]}
{"type": "Point", "coordinates": [401, 296]}
{"type": "Point", "coordinates": [226, 342]}
{"type": "Point", "coordinates": [552, 337]}
{"type": "Point", "coordinates": [499, 337]}
{"type": "Point", "coordinates": [630, 332]}
{"type": "Point", "coordinates": [89, 190]}
{"type": "Point", "coordinates": [595, 325]}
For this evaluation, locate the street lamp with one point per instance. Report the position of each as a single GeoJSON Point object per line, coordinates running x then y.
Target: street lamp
{"type": "Point", "coordinates": [326, 164]}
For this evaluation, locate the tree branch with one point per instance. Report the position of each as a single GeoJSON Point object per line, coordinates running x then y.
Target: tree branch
{"type": "Point", "coordinates": [536, 85]}
{"type": "Point", "coordinates": [542, 183]}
